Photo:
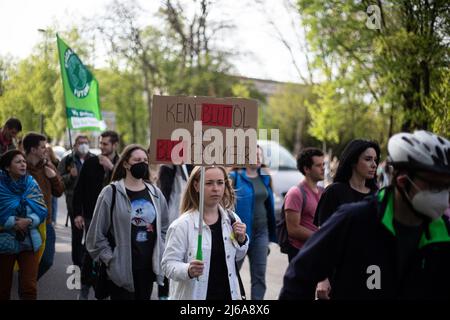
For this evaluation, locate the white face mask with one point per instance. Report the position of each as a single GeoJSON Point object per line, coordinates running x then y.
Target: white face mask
{"type": "Point", "coordinates": [83, 148]}
{"type": "Point", "coordinates": [431, 204]}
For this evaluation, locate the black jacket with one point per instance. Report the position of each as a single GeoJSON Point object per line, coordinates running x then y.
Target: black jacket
{"type": "Point", "coordinates": [70, 182]}
{"type": "Point", "coordinates": [360, 235]}
{"type": "Point", "coordinates": [90, 183]}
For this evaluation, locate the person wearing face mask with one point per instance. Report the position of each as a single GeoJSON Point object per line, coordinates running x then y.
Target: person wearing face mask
{"type": "Point", "coordinates": [393, 245]}
{"type": "Point", "coordinates": [134, 248]}
{"type": "Point", "coordinates": [94, 175]}
{"type": "Point", "coordinates": [69, 168]}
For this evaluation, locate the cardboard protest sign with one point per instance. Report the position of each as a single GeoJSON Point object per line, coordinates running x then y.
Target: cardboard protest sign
{"type": "Point", "coordinates": [203, 130]}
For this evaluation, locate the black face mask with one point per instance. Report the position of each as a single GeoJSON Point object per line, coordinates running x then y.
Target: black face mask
{"type": "Point", "coordinates": [139, 170]}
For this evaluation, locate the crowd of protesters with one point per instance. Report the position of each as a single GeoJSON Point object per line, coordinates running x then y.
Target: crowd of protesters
{"type": "Point", "coordinates": [370, 222]}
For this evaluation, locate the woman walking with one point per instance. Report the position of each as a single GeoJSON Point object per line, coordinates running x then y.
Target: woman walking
{"type": "Point", "coordinates": [132, 243]}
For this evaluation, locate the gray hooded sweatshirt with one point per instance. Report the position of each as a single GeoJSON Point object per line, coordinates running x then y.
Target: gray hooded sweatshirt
{"type": "Point", "coordinates": [119, 260]}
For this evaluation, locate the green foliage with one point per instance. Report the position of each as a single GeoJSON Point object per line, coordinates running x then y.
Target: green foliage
{"type": "Point", "coordinates": [392, 73]}
{"type": "Point", "coordinates": [438, 107]}
{"type": "Point", "coordinates": [122, 93]}
{"type": "Point", "coordinates": [287, 111]}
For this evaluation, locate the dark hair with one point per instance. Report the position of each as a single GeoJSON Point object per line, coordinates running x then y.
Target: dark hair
{"type": "Point", "coordinates": [113, 136]}
{"type": "Point", "coordinates": [32, 140]}
{"type": "Point", "coordinates": [305, 158]}
{"type": "Point", "coordinates": [13, 123]}
{"type": "Point", "coordinates": [119, 171]}
{"type": "Point", "coordinates": [349, 158]}
{"type": "Point", "coordinates": [7, 157]}
{"type": "Point", "coordinates": [81, 136]}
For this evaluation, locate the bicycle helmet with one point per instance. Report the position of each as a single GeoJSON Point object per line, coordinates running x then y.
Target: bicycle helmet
{"type": "Point", "coordinates": [421, 150]}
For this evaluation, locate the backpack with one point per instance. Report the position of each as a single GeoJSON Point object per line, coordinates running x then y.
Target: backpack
{"type": "Point", "coordinates": [281, 228]}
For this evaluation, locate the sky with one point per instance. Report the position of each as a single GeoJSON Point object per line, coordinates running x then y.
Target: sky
{"type": "Point", "coordinates": [262, 54]}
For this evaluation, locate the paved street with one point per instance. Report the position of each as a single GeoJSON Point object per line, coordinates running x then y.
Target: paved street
{"type": "Point", "coordinates": [52, 286]}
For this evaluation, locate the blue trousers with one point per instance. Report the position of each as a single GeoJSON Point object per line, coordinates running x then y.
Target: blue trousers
{"type": "Point", "coordinates": [257, 257]}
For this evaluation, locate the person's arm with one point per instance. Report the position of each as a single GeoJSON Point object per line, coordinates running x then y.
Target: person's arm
{"type": "Point", "coordinates": [56, 182]}
{"type": "Point", "coordinates": [80, 188]}
{"type": "Point", "coordinates": [79, 195]}
{"type": "Point", "coordinates": [242, 246]}
{"type": "Point", "coordinates": [327, 205]}
{"type": "Point", "coordinates": [175, 260]}
{"type": "Point", "coordinates": [97, 243]}
{"type": "Point", "coordinates": [293, 207]}
{"type": "Point", "coordinates": [317, 259]}
{"type": "Point", "coordinates": [164, 214]}
{"type": "Point", "coordinates": [295, 230]}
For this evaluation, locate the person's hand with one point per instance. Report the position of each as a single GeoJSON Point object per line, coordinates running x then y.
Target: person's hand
{"type": "Point", "coordinates": [105, 162]}
{"type": "Point", "coordinates": [79, 222]}
{"type": "Point", "coordinates": [74, 171]}
{"type": "Point", "coordinates": [195, 268]}
{"type": "Point", "coordinates": [323, 290]}
{"type": "Point", "coordinates": [22, 224]}
{"type": "Point", "coordinates": [239, 229]}
{"type": "Point", "coordinates": [49, 172]}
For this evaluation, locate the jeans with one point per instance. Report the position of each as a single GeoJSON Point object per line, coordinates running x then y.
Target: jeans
{"type": "Point", "coordinates": [257, 256]}
{"type": "Point", "coordinates": [49, 251]}
{"type": "Point", "coordinates": [54, 209]}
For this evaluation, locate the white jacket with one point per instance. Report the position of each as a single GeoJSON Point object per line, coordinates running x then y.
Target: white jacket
{"type": "Point", "coordinates": [181, 248]}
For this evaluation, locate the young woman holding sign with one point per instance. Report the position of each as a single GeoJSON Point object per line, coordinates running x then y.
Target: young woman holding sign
{"type": "Point", "coordinates": [223, 242]}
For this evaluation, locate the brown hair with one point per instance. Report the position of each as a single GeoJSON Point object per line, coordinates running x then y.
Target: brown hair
{"type": "Point", "coordinates": [119, 170]}
{"type": "Point", "coordinates": [81, 136]}
{"type": "Point", "coordinates": [191, 200]}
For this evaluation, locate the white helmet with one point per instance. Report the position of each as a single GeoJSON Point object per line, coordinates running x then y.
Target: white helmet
{"type": "Point", "coordinates": [421, 150]}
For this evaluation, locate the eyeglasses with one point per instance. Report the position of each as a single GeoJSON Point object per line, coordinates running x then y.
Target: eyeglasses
{"type": "Point", "coordinates": [432, 186]}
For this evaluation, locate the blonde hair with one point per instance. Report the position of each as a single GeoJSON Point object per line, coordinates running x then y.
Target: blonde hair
{"type": "Point", "coordinates": [191, 200]}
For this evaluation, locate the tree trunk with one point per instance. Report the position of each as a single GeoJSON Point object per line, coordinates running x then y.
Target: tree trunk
{"type": "Point", "coordinates": [148, 96]}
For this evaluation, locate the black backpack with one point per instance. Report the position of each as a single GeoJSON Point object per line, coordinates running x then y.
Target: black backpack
{"type": "Point", "coordinates": [281, 228]}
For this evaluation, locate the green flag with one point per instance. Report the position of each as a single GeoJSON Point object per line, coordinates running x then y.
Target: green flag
{"type": "Point", "coordinates": [80, 91]}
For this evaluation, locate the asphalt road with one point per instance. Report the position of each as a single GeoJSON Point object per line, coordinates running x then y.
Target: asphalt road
{"type": "Point", "coordinates": [53, 285]}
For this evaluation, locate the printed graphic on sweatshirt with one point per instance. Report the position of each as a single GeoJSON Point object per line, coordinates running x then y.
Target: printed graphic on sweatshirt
{"type": "Point", "coordinates": [142, 216]}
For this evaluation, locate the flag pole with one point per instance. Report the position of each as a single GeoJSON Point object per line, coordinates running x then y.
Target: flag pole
{"type": "Point", "coordinates": [200, 216]}
{"type": "Point", "coordinates": [73, 161]}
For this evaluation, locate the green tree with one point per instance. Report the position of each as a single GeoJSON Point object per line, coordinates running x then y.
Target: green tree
{"type": "Point", "coordinates": [394, 59]}
{"type": "Point", "coordinates": [122, 93]}
{"type": "Point", "coordinates": [288, 112]}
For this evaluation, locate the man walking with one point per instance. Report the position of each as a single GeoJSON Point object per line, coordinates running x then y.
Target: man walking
{"type": "Point", "coordinates": [393, 245]}
{"type": "Point", "coordinates": [50, 183]}
{"type": "Point", "coordinates": [301, 201]}
{"type": "Point", "coordinates": [69, 168]}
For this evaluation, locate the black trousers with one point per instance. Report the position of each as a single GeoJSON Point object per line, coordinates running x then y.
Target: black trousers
{"type": "Point", "coordinates": [77, 247]}
{"type": "Point", "coordinates": [163, 291]}
{"type": "Point", "coordinates": [143, 287]}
